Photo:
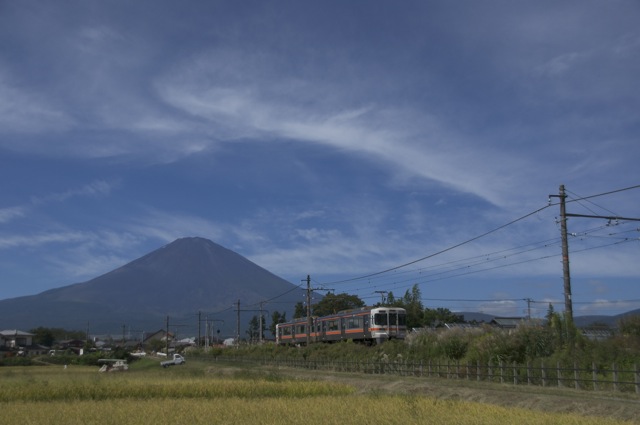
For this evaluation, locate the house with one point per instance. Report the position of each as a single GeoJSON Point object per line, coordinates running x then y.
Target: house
{"type": "Point", "coordinates": [20, 343]}
{"type": "Point", "coordinates": [508, 322]}
{"type": "Point", "coordinates": [74, 345]}
{"type": "Point", "coordinates": [159, 340]}
{"type": "Point", "coordinates": [14, 339]}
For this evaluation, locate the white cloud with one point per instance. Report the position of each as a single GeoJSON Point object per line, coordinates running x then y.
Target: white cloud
{"type": "Point", "coordinates": [11, 213]}
{"type": "Point", "coordinates": [96, 188]}
{"type": "Point", "coordinates": [19, 241]}
{"type": "Point", "coordinates": [501, 308]}
{"type": "Point", "coordinates": [407, 141]}
{"type": "Point", "coordinates": [23, 110]}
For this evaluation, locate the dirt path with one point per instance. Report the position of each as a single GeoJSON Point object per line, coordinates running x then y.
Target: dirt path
{"type": "Point", "coordinates": [619, 406]}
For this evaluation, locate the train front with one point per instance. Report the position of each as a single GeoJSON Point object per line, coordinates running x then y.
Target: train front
{"type": "Point", "coordinates": [388, 323]}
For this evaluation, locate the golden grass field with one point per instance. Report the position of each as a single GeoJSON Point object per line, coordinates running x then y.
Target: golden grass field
{"type": "Point", "coordinates": [198, 394]}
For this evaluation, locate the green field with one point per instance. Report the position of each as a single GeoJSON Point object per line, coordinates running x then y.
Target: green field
{"type": "Point", "coordinates": [209, 393]}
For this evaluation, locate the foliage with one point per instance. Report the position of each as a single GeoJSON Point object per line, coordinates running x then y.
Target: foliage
{"type": "Point", "coordinates": [300, 310]}
{"type": "Point", "coordinates": [253, 331]}
{"type": "Point", "coordinates": [412, 303]}
{"type": "Point", "coordinates": [439, 316]}
{"type": "Point", "coordinates": [276, 317]}
{"type": "Point", "coordinates": [48, 336]}
{"type": "Point", "coordinates": [43, 336]}
{"type": "Point", "coordinates": [630, 326]}
{"type": "Point", "coordinates": [454, 344]}
{"type": "Point", "coordinates": [333, 303]}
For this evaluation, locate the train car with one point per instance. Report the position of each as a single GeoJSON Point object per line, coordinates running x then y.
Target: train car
{"type": "Point", "coordinates": [366, 324]}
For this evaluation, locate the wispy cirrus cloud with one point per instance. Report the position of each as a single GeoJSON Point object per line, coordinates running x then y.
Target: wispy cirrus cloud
{"type": "Point", "coordinates": [11, 213]}
{"type": "Point", "coordinates": [23, 110]}
{"type": "Point", "coordinates": [407, 141]}
{"type": "Point", "coordinates": [45, 238]}
{"type": "Point", "coordinates": [95, 188]}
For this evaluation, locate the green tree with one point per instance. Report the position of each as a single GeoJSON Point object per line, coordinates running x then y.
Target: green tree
{"type": "Point", "coordinates": [439, 316]}
{"type": "Point", "coordinates": [43, 336]}
{"type": "Point", "coordinates": [391, 299]}
{"type": "Point", "coordinates": [333, 303]}
{"type": "Point", "coordinates": [299, 311]}
{"type": "Point", "coordinates": [253, 332]}
{"type": "Point", "coordinates": [412, 303]}
{"type": "Point", "coordinates": [276, 317]}
{"type": "Point", "coordinates": [630, 325]}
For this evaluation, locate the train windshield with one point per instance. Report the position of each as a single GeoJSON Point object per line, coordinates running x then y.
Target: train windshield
{"type": "Point", "coordinates": [380, 319]}
{"type": "Point", "coordinates": [393, 318]}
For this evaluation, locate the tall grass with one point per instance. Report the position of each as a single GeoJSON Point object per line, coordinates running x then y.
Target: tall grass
{"type": "Point", "coordinates": [193, 394]}
{"type": "Point", "coordinates": [325, 410]}
{"type": "Point", "coordinates": [75, 385]}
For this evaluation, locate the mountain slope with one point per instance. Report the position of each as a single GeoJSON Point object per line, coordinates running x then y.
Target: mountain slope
{"type": "Point", "coordinates": [178, 280]}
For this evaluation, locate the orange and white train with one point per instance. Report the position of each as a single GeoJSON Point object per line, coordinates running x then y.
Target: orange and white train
{"type": "Point", "coordinates": [366, 324]}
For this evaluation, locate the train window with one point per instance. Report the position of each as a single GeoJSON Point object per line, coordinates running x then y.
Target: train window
{"type": "Point", "coordinates": [402, 319]}
{"type": "Point", "coordinates": [380, 319]}
{"type": "Point", "coordinates": [393, 319]}
{"type": "Point", "coordinates": [333, 325]}
{"type": "Point", "coordinates": [354, 322]}
{"type": "Point", "coordinates": [286, 330]}
{"type": "Point", "coordinates": [301, 329]}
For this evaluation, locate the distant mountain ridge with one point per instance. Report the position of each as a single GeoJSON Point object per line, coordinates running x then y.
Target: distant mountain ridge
{"type": "Point", "coordinates": [579, 321]}
{"type": "Point", "coordinates": [178, 280]}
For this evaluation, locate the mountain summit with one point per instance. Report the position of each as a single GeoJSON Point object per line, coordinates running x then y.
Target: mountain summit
{"type": "Point", "coordinates": [181, 279]}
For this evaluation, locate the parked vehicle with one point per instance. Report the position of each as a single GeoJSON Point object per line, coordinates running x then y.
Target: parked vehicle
{"type": "Point", "coordinates": [112, 365]}
{"type": "Point", "coordinates": [177, 360]}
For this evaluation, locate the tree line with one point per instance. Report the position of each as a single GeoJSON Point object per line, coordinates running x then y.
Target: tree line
{"type": "Point", "coordinates": [417, 315]}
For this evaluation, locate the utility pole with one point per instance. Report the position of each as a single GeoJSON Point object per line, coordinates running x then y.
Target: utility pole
{"type": "Point", "coordinates": [382, 294]}
{"type": "Point", "coordinates": [166, 338]}
{"type": "Point", "coordinates": [238, 325]}
{"type": "Point", "coordinates": [528, 300]}
{"type": "Point", "coordinates": [199, 321]}
{"type": "Point", "coordinates": [260, 325]}
{"type": "Point", "coordinates": [566, 275]}
{"type": "Point", "coordinates": [308, 310]}
{"type": "Point", "coordinates": [309, 321]}
{"type": "Point", "coordinates": [568, 303]}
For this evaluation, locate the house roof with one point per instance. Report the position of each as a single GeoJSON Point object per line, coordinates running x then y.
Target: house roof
{"type": "Point", "coordinates": [14, 332]}
{"type": "Point", "coordinates": [508, 321]}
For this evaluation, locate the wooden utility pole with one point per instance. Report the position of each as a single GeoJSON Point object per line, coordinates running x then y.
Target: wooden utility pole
{"type": "Point", "coordinates": [566, 275]}
{"type": "Point", "coordinates": [238, 325]}
{"type": "Point", "coordinates": [308, 310]}
{"type": "Point", "coordinates": [199, 329]}
{"type": "Point", "coordinates": [260, 325]}
{"type": "Point", "coordinates": [166, 338]}
{"type": "Point", "coordinates": [568, 304]}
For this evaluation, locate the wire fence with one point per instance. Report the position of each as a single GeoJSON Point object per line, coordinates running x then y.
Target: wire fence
{"type": "Point", "coordinates": [610, 378]}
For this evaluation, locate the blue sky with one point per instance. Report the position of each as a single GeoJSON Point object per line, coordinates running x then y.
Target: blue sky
{"type": "Point", "coordinates": [336, 139]}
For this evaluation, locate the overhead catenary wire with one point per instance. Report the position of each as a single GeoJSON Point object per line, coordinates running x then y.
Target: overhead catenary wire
{"type": "Point", "coordinates": [443, 250]}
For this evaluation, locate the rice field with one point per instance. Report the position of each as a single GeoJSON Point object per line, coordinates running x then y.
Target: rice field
{"type": "Point", "coordinates": [80, 395]}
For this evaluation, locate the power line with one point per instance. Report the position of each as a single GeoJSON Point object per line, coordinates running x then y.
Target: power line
{"type": "Point", "coordinates": [606, 193]}
{"type": "Point", "coordinates": [444, 250]}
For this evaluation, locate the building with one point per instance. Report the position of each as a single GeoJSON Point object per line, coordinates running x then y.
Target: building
{"type": "Point", "coordinates": [14, 339]}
